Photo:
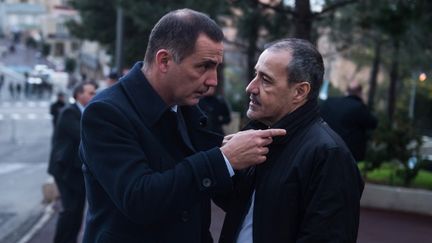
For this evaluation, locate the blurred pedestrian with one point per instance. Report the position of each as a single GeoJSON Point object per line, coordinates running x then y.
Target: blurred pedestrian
{"type": "Point", "coordinates": [112, 79]}
{"type": "Point", "coordinates": [217, 111]}
{"type": "Point", "coordinates": [150, 166]}
{"type": "Point", "coordinates": [65, 165]}
{"type": "Point", "coordinates": [57, 106]}
{"type": "Point", "coordinates": [309, 189]}
{"type": "Point", "coordinates": [12, 48]}
{"type": "Point", "coordinates": [18, 90]}
{"type": "Point", "coordinates": [1, 82]}
{"type": "Point", "coordinates": [351, 119]}
{"type": "Point", "coordinates": [11, 90]}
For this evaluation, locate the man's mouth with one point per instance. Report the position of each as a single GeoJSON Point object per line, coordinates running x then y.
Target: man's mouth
{"type": "Point", "coordinates": [254, 101]}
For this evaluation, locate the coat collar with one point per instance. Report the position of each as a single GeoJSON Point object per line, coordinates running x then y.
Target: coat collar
{"type": "Point", "coordinates": [145, 99]}
{"type": "Point", "coordinates": [150, 105]}
{"type": "Point", "coordinates": [292, 122]}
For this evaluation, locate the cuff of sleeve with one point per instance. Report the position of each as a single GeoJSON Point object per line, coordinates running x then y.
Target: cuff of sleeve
{"type": "Point", "coordinates": [228, 164]}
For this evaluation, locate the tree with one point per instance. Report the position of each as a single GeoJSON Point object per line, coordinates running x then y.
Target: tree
{"type": "Point", "coordinates": [270, 20]}
{"type": "Point", "coordinates": [392, 31]}
{"type": "Point", "coordinates": [98, 21]}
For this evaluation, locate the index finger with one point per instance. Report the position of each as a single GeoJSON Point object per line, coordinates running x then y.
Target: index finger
{"type": "Point", "coordinates": [272, 132]}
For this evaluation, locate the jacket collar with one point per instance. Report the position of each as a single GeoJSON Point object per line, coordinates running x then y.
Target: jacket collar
{"type": "Point", "coordinates": [145, 99]}
{"type": "Point", "coordinates": [292, 122]}
{"type": "Point", "coordinates": [150, 105]}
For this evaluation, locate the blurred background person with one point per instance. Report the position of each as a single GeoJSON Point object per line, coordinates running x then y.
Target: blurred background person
{"type": "Point", "coordinates": [351, 119]}
{"type": "Point", "coordinates": [112, 79]}
{"type": "Point", "coordinates": [216, 109]}
{"type": "Point", "coordinates": [65, 165]}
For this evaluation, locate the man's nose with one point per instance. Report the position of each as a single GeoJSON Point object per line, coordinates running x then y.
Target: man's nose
{"type": "Point", "coordinates": [212, 80]}
{"type": "Point", "coordinates": [252, 88]}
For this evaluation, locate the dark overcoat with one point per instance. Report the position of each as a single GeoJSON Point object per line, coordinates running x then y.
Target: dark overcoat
{"type": "Point", "coordinates": [144, 181]}
{"type": "Point", "coordinates": [64, 163]}
{"type": "Point", "coordinates": [350, 118]}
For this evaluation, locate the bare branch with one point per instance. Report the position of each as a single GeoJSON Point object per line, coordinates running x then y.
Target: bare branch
{"type": "Point", "coordinates": [334, 6]}
{"type": "Point", "coordinates": [278, 8]}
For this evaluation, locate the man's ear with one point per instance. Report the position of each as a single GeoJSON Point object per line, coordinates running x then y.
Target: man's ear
{"type": "Point", "coordinates": [162, 60]}
{"type": "Point", "coordinates": [302, 90]}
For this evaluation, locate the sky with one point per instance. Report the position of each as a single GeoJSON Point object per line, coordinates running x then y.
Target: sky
{"type": "Point", "coordinates": [316, 4]}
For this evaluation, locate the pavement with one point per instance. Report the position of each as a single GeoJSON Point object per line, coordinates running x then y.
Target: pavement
{"type": "Point", "coordinates": [376, 226]}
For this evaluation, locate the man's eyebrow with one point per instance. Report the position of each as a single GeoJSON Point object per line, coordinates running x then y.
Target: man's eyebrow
{"type": "Point", "coordinates": [207, 62]}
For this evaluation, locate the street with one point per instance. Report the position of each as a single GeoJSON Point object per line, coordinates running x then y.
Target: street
{"type": "Point", "coordinates": [25, 132]}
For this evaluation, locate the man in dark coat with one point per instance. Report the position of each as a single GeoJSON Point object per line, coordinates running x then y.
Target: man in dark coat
{"type": "Point", "coordinates": [65, 165]}
{"type": "Point", "coordinates": [351, 119]}
{"type": "Point", "coordinates": [309, 189]}
{"type": "Point", "coordinates": [150, 166]}
{"type": "Point", "coordinates": [217, 111]}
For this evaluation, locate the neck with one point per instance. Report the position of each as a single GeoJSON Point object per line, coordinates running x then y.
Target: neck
{"type": "Point", "coordinates": [156, 81]}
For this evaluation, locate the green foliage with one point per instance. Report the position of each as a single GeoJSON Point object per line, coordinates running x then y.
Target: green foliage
{"type": "Point", "coordinates": [234, 88]}
{"type": "Point", "coordinates": [98, 21]}
{"type": "Point", "coordinates": [401, 27]}
{"type": "Point", "coordinates": [397, 142]}
{"type": "Point", "coordinates": [389, 174]}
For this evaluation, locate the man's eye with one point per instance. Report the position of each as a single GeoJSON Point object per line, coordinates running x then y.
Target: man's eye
{"type": "Point", "coordinates": [207, 66]}
{"type": "Point", "coordinates": [266, 80]}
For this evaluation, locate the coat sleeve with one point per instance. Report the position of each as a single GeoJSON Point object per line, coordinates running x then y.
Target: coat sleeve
{"type": "Point", "coordinates": [114, 155]}
{"type": "Point", "coordinates": [332, 199]}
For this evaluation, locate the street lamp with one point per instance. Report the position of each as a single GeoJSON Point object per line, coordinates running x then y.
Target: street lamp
{"type": "Point", "coordinates": [422, 77]}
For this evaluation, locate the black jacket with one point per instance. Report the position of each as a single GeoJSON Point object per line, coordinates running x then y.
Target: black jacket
{"type": "Point", "coordinates": [350, 118]}
{"type": "Point", "coordinates": [308, 190]}
{"type": "Point", "coordinates": [144, 183]}
{"type": "Point", "coordinates": [55, 109]}
{"type": "Point", "coordinates": [64, 161]}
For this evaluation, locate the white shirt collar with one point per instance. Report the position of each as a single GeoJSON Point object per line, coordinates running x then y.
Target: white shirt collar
{"type": "Point", "coordinates": [81, 107]}
{"type": "Point", "coordinates": [174, 108]}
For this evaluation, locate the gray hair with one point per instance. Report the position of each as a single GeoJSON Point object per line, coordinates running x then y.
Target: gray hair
{"type": "Point", "coordinates": [306, 63]}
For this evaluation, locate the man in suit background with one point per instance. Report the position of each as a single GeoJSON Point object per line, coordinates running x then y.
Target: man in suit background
{"type": "Point", "coordinates": [150, 165]}
{"type": "Point", "coordinates": [351, 119]}
{"type": "Point", "coordinates": [309, 188]}
{"type": "Point", "coordinates": [217, 111]}
{"type": "Point", "coordinates": [65, 165]}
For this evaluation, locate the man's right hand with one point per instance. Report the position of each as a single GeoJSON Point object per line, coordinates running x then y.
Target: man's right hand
{"type": "Point", "coordinates": [249, 147]}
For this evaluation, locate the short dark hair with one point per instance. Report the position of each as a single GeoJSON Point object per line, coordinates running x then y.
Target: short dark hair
{"type": "Point", "coordinates": [306, 63]}
{"type": "Point", "coordinates": [60, 94]}
{"type": "Point", "coordinates": [113, 75]}
{"type": "Point", "coordinates": [177, 31]}
{"type": "Point", "coordinates": [79, 88]}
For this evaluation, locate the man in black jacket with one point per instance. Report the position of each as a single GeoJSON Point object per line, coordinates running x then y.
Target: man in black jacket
{"type": "Point", "coordinates": [65, 165]}
{"type": "Point", "coordinates": [217, 111]}
{"type": "Point", "coordinates": [309, 189]}
{"type": "Point", "coordinates": [350, 118]}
